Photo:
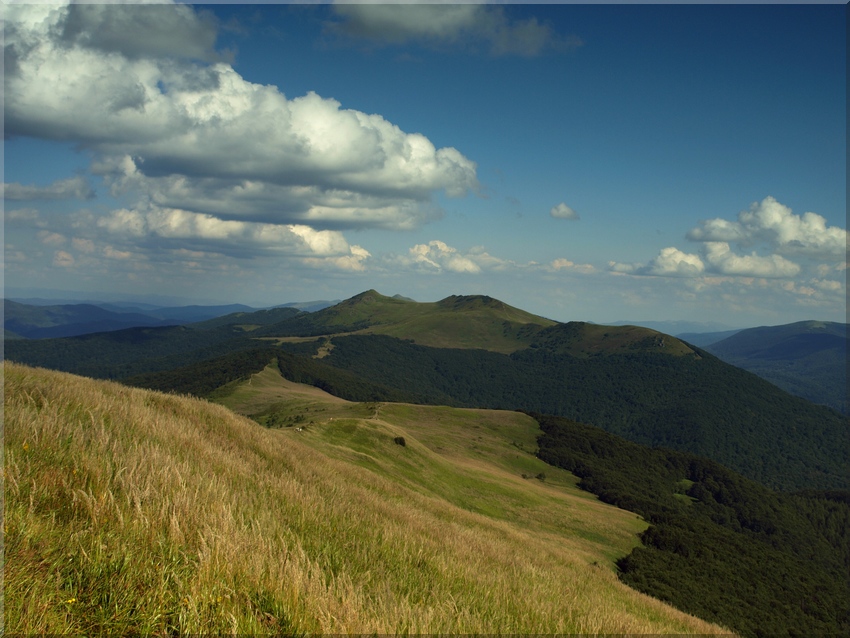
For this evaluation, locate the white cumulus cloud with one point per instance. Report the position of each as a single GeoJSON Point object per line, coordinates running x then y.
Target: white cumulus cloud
{"type": "Point", "coordinates": [775, 224]}
{"type": "Point", "coordinates": [63, 259]}
{"type": "Point", "coordinates": [770, 227]}
{"type": "Point", "coordinates": [169, 120]}
{"type": "Point", "coordinates": [438, 257]}
{"type": "Point", "coordinates": [159, 226]}
{"type": "Point", "coordinates": [565, 264]}
{"type": "Point", "coordinates": [50, 238]}
{"type": "Point", "coordinates": [562, 211]}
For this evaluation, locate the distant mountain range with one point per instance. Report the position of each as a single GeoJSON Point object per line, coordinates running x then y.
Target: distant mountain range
{"type": "Point", "coordinates": [705, 339]}
{"type": "Point", "coordinates": [43, 322]}
{"type": "Point", "coordinates": [807, 358]}
{"type": "Point", "coordinates": [476, 351]}
{"type": "Point", "coordinates": [41, 319]}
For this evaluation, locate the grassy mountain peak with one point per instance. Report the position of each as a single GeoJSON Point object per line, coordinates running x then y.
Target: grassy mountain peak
{"type": "Point", "coordinates": [475, 321]}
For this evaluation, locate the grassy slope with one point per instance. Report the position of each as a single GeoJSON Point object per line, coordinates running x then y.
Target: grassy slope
{"type": "Point", "coordinates": [129, 511]}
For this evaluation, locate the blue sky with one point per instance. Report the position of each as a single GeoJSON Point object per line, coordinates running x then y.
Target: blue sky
{"type": "Point", "coordinates": [582, 162]}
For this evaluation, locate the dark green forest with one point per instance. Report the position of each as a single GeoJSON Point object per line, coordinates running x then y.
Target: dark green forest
{"type": "Point", "coordinates": [123, 353]}
{"type": "Point", "coordinates": [205, 378]}
{"type": "Point", "coordinates": [720, 546]}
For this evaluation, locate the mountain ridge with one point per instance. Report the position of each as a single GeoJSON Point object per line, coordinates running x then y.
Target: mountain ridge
{"type": "Point", "coordinates": [447, 323]}
{"type": "Point", "coordinates": [805, 358]}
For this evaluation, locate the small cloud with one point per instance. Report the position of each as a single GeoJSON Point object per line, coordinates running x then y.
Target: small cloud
{"type": "Point", "coordinates": [50, 239]}
{"type": "Point", "coordinates": [83, 245]}
{"type": "Point", "coordinates": [828, 285]}
{"type": "Point", "coordinates": [718, 230]}
{"type": "Point", "coordinates": [566, 264]}
{"type": "Point", "coordinates": [355, 261]}
{"type": "Point", "coordinates": [111, 253]}
{"type": "Point", "coordinates": [246, 240]}
{"type": "Point", "coordinates": [623, 269]}
{"type": "Point", "coordinates": [12, 255]}
{"type": "Point", "coordinates": [63, 259]}
{"type": "Point", "coordinates": [670, 262]}
{"type": "Point", "coordinates": [21, 216]}
{"type": "Point", "coordinates": [437, 256]}
{"type": "Point", "coordinates": [562, 211]}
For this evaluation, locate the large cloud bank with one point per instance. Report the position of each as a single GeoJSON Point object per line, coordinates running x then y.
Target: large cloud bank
{"type": "Point", "coordinates": [172, 123]}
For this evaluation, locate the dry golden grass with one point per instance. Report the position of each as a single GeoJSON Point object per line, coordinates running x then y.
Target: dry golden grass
{"type": "Point", "coordinates": [129, 511]}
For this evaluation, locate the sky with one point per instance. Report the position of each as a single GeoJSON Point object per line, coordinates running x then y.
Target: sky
{"type": "Point", "coordinates": [582, 162]}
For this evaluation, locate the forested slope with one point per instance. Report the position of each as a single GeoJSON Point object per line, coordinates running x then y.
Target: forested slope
{"type": "Point", "coordinates": [720, 546]}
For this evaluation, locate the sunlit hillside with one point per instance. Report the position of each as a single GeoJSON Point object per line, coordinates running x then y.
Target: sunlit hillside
{"type": "Point", "coordinates": [129, 511]}
{"type": "Point", "coordinates": [475, 321]}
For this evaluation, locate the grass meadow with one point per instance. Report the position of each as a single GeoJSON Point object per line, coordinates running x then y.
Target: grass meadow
{"type": "Point", "coordinates": [134, 512]}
